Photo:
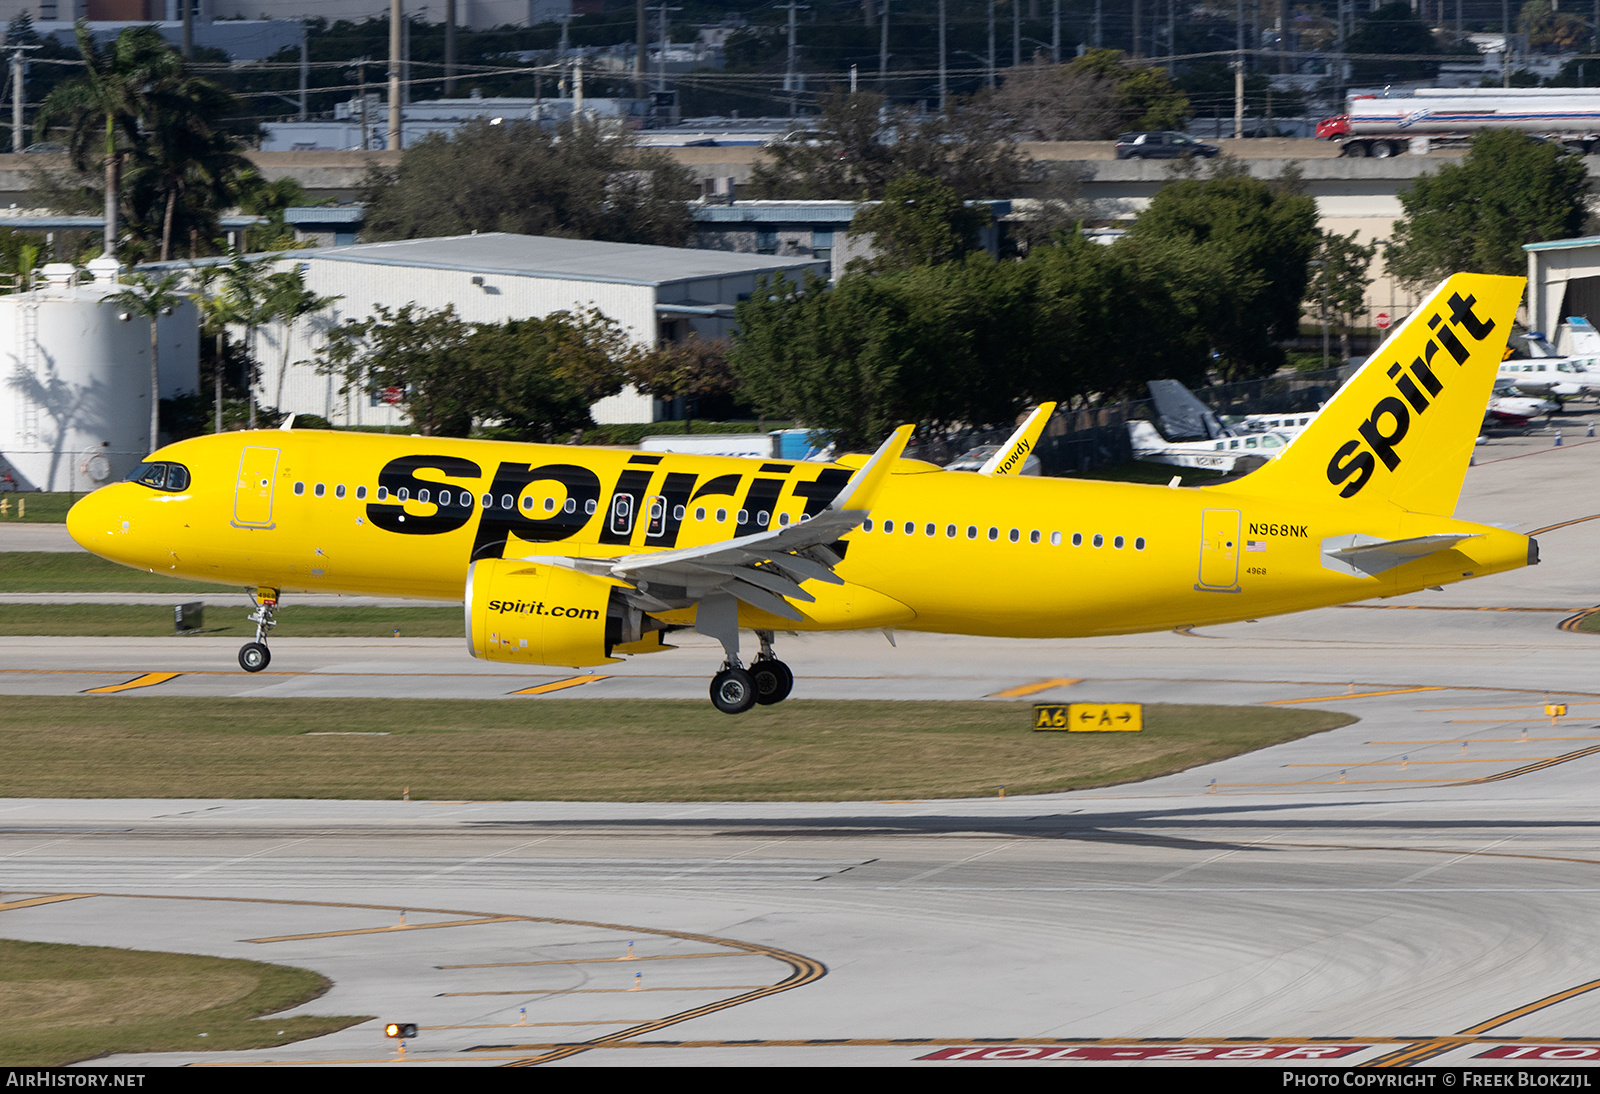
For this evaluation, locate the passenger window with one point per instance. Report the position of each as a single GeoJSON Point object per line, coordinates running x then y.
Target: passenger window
{"type": "Point", "coordinates": [911, 527]}
{"type": "Point", "coordinates": [783, 520]}
{"type": "Point", "coordinates": [950, 531]}
{"type": "Point", "coordinates": [1033, 537]}
{"type": "Point", "coordinates": [1117, 543]}
{"type": "Point", "coordinates": [590, 506]}
{"type": "Point", "coordinates": [972, 531]}
{"type": "Point", "coordinates": [761, 518]}
{"type": "Point", "coordinates": [361, 493]}
{"type": "Point", "coordinates": [422, 495]}
{"type": "Point", "coordinates": [994, 534]}
{"type": "Point", "coordinates": [527, 504]}
{"type": "Point", "coordinates": [931, 530]}
{"type": "Point", "coordinates": [319, 489]}
{"type": "Point", "coordinates": [1138, 544]}
{"type": "Point", "coordinates": [866, 525]}
{"type": "Point", "coordinates": [1055, 539]}
{"type": "Point", "coordinates": [1077, 539]}
{"type": "Point", "coordinates": [488, 501]}
{"type": "Point", "coordinates": [299, 487]}
{"type": "Point", "coordinates": [742, 517]}
{"type": "Point", "coordinates": [569, 506]}
{"type": "Point", "coordinates": [888, 526]}
{"type": "Point", "coordinates": [338, 491]}
{"type": "Point", "coordinates": [722, 515]}
{"type": "Point", "coordinates": [1015, 536]}
{"type": "Point", "coordinates": [507, 501]}
{"type": "Point", "coordinates": [677, 512]}
{"type": "Point", "coordinates": [403, 494]}
{"type": "Point", "coordinates": [700, 513]}
{"type": "Point", "coordinates": [1099, 540]}
{"type": "Point", "coordinates": [383, 493]}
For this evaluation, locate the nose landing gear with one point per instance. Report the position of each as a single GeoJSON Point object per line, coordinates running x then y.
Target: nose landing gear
{"type": "Point", "coordinates": [254, 656]}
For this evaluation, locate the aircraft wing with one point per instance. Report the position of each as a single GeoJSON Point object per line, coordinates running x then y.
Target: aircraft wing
{"type": "Point", "coordinates": [765, 568]}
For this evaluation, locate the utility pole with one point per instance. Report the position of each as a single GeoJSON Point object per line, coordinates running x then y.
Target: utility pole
{"type": "Point", "coordinates": [1238, 98]}
{"type": "Point", "coordinates": [1136, 29]}
{"type": "Point", "coordinates": [395, 136]}
{"type": "Point", "coordinates": [305, 64]}
{"type": "Point", "coordinates": [988, 79]}
{"type": "Point", "coordinates": [883, 43]}
{"type": "Point", "coordinates": [666, 40]}
{"type": "Point", "coordinates": [561, 51]}
{"type": "Point", "coordinates": [791, 71]}
{"type": "Point", "coordinates": [449, 46]}
{"type": "Point", "coordinates": [641, 34]}
{"type": "Point", "coordinates": [1055, 32]}
{"type": "Point", "coordinates": [944, 70]}
{"type": "Point", "coordinates": [1016, 33]}
{"type": "Point", "coordinates": [19, 67]}
{"type": "Point", "coordinates": [188, 27]}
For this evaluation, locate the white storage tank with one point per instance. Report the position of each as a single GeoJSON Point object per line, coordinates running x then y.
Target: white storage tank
{"type": "Point", "coordinates": [75, 378]}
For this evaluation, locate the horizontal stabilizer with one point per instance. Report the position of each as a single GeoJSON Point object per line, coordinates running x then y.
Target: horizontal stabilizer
{"type": "Point", "coordinates": [1369, 556]}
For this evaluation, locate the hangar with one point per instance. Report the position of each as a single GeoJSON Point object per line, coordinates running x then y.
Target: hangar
{"type": "Point", "coordinates": [1563, 280]}
{"type": "Point", "coordinates": [654, 293]}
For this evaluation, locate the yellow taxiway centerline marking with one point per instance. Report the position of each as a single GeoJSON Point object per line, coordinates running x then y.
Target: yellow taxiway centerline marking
{"type": "Point", "coordinates": [600, 960]}
{"type": "Point", "coordinates": [33, 902]}
{"type": "Point", "coordinates": [1354, 695]}
{"type": "Point", "coordinates": [601, 991]}
{"type": "Point", "coordinates": [390, 929]}
{"type": "Point", "coordinates": [1418, 763]}
{"type": "Point", "coordinates": [1503, 721]}
{"type": "Point", "coordinates": [1516, 706]}
{"type": "Point", "coordinates": [1034, 688]}
{"type": "Point", "coordinates": [149, 679]}
{"type": "Point", "coordinates": [1483, 740]}
{"type": "Point", "coordinates": [560, 685]}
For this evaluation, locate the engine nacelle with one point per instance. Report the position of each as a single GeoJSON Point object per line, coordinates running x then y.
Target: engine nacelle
{"type": "Point", "coordinates": [539, 613]}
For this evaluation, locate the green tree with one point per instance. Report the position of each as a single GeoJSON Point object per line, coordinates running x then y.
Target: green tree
{"type": "Point", "coordinates": [244, 291]}
{"type": "Point", "coordinates": [1145, 96]}
{"type": "Point", "coordinates": [1257, 239]}
{"type": "Point", "coordinates": [1340, 277]}
{"type": "Point", "coordinates": [151, 298]}
{"type": "Point", "coordinates": [1393, 29]}
{"type": "Point", "coordinates": [539, 376]}
{"type": "Point", "coordinates": [1475, 216]}
{"type": "Point", "coordinates": [575, 180]}
{"type": "Point", "coordinates": [865, 144]}
{"type": "Point", "coordinates": [920, 222]}
{"type": "Point", "coordinates": [690, 369]}
{"type": "Point", "coordinates": [418, 351]}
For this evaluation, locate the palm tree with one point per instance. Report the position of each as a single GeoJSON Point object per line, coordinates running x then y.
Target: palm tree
{"type": "Point", "coordinates": [245, 294]}
{"type": "Point", "coordinates": [111, 92]}
{"type": "Point", "coordinates": [182, 167]}
{"type": "Point", "coordinates": [152, 298]}
{"type": "Point", "coordinates": [288, 299]}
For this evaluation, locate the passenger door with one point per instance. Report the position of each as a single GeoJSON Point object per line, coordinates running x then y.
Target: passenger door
{"type": "Point", "coordinates": [252, 494]}
{"type": "Point", "coordinates": [1219, 550]}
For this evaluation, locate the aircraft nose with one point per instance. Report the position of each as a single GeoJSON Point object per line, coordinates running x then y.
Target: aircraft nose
{"type": "Point", "coordinates": [94, 519]}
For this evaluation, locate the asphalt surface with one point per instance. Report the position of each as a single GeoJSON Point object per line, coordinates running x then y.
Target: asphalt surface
{"type": "Point", "coordinates": [1416, 888]}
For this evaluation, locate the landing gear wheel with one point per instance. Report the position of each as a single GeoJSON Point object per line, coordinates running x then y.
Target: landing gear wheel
{"type": "Point", "coordinates": [773, 680]}
{"type": "Point", "coordinates": [733, 691]}
{"type": "Point", "coordinates": [254, 656]}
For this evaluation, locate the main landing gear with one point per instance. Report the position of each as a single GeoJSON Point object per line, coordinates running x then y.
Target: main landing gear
{"type": "Point", "coordinates": [736, 689]}
{"type": "Point", "coordinates": [254, 656]}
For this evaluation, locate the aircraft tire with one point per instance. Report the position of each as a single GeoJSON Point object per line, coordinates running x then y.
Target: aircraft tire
{"type": "Point", "coordinates": [773, 680]}
{"type": "Point", "coordinates": [254, 656]}
{"type": "Point", "coordinates": [733, 691]}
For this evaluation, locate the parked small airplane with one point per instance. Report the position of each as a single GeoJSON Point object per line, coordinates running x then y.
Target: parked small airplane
{"type": "Point", "coordinates": [1537, 369]}
{"type": "Point", "coordinates": [575, 556]}
{"type": "Point", "coordinates": [1191, 434]}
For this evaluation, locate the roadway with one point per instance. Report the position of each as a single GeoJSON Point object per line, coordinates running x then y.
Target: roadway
{"type": "Point", "coordinates": [1415, 888]}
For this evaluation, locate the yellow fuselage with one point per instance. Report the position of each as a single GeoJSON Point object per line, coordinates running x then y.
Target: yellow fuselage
{"type": "Point", "coordinates": [967, 553]}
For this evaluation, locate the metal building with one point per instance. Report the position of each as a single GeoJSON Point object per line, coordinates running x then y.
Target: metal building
{"type": "Point", "coordinates": [653, 293]}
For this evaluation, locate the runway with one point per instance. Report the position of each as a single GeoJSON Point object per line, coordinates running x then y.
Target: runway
{"type": "Point", "coordinates": [1418, 888]}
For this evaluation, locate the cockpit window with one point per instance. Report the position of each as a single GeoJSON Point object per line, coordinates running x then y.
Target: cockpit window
{"type": "Point", "coordinates": [161, 476]}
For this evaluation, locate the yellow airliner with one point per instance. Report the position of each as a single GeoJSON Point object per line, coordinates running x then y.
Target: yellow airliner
{"type": "Point", "coordinates": [576, 556]}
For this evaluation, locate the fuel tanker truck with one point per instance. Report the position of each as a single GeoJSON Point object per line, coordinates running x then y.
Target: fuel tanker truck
{"type": "Point", "coordinates": [1385, 125]}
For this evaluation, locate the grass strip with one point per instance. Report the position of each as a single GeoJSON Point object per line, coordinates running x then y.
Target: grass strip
{"type": "Point", "coordinates": [60, 1004]}
{"type": "Point", "coordinates": [298, 621]}
{"type": "Point", "coordinates": [81, 572]}
{"type": "Point", "coordinates": [143, 745]}
{"type": "Point", "coordinates": [19, 507]}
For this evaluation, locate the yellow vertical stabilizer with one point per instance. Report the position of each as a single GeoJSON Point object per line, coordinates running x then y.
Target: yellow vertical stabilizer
{"type": "Point", "coordinates": [1402, 429]}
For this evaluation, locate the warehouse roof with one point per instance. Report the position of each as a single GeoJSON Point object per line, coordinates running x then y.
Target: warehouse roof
{"type": "Point", "coordinates": [570, 259]}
